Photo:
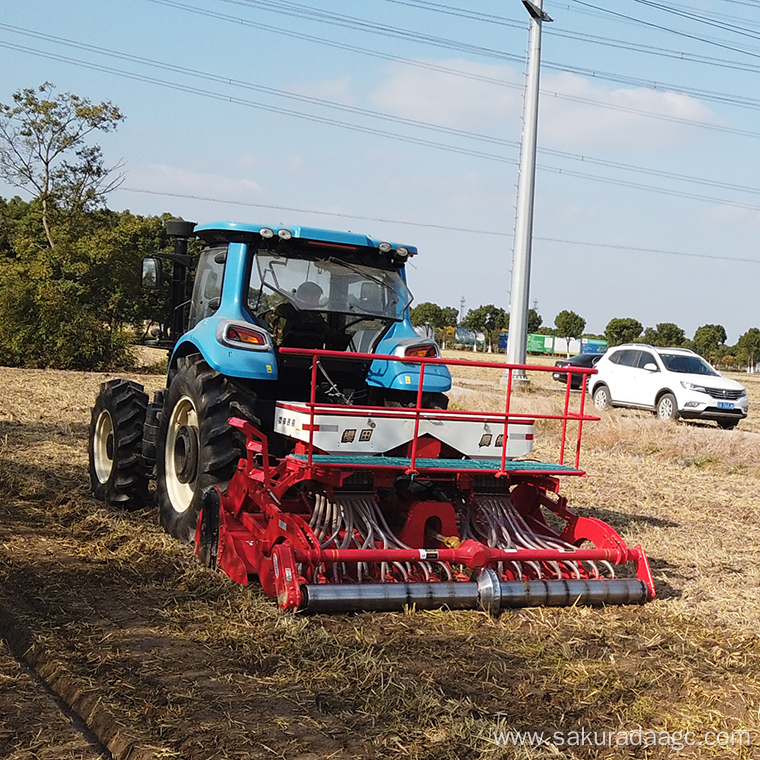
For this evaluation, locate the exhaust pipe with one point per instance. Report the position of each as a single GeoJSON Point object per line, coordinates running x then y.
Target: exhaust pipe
{"type": "Point", "coordinates": [487, 592]}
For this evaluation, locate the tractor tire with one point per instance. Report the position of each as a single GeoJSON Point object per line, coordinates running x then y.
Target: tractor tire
{"type": "Point", "coordinates": [196, 448]}
{"type": "Point", "coordinates": [117, 471]}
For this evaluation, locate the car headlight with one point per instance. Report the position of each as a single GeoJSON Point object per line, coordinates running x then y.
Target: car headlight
{"type": "Point", "coordinates": [693, 387]}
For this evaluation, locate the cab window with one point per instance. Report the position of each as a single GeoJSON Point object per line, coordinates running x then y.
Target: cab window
{"type": "Point", "coordinates": [207, 290]}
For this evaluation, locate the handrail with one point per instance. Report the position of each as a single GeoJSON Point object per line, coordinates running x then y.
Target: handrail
{"type": "Point", "coordinates": [418, 411]}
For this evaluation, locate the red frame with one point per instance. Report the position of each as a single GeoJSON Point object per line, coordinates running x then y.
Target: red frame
{"type": "Point", "coordinates": [503, 418]}
{"type": "Point", "coordinates": [263, 529]}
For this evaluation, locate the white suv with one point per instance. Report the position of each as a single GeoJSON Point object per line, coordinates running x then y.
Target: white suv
{"type": "Point", "coordinates": [671, 382]}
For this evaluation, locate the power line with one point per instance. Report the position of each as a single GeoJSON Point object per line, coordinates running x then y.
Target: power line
{"type": "Point", "coordinates": [374, 114]}
{"type": "Point", "coordinates": [467, 75]}
{"type": "Point", "coordinates": [342, 20]}
{"type": "Point", "coordinates": [700, 18]}
{"type": "Point", "coordinates": [670, 30]}
{"type": "Point", "coordinates": [403, 138]}
{"type": "Point", "coordinates": [584, 36]}
{"type": "Point", "coordinates": [444, 227]}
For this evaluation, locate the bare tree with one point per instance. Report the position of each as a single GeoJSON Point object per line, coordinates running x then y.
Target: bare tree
{"type": "Point", "coordinates": [43, 150]}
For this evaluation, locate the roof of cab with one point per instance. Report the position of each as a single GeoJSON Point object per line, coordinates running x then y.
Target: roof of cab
{"type": "Point", "coordinates": [238, 230]}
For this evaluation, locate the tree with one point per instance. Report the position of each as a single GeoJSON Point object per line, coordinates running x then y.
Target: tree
{"type": "Point", "coordinates": [708, 340]}
{"type": "Point", "coordinates": [69, 307]}
{"type": "Point", "coordinates": [569, 325]}
{"type": "Point", "coordinates": [749, 346]}
{"type": "Point", "coordinates": [651, 337]}
{"type": "Point", "coordinates": [450, 316]}
{"type": "Point", "coordinates": [436, 317]}
{"type": "Point", "coordinates": [664, 334]}
{"type": "Point", "coordinates": [488, 319]}
{"type": "Point", "coordinates": [622, 330]}
{"type": "Point", "coordinates": [427, 313]}
{"type": "Point", "coordinates": [43, 151]}
{"type": "Point", "coordinates": [670, 334]}
{"type": "Point", "coordinates": [535, 320]}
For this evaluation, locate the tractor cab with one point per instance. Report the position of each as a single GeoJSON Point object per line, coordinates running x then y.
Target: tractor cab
{"type": "Point", "coordinates": [258, 289]}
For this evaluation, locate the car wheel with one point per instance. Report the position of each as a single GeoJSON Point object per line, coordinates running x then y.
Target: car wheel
{"type": "Point", "coordinates": [602, 398]}
{"type": "Point", "coordinates": [727, 424]}
{"type": "Point", "coordinates": [667, 407]}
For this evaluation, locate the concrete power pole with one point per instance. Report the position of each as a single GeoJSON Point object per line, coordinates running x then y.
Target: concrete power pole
{"type": "Point", "coordinates": [520, 289]}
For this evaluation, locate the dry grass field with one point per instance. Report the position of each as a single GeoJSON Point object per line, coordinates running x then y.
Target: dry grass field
{"type": "Point", "coordinates": [168, 660]}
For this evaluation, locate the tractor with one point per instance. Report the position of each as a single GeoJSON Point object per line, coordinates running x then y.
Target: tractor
{"type": "Point", "coordinates": [304, 438]}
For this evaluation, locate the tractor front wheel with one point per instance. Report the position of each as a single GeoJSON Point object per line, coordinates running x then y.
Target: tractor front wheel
{"type": "Point", "coordinates": [196, 447]}
{"type": "Point", "coordinates": [117, 471]}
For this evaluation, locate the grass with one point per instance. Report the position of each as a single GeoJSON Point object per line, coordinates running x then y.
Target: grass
{"type": "Point", "coordinates": [202, 668]}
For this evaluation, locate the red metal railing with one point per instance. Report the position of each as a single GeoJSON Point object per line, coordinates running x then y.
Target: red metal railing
{"type": "Point", "coordinates": [419, 411]}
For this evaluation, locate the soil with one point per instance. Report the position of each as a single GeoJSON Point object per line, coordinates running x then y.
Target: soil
{"type": "Point", "coordinates": [160, 658]}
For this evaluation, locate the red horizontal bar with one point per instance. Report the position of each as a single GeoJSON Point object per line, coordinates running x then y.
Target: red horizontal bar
{"type": "Point", "coordinates": [373, 464]}
{"type": "Point", "coordinates": [471, 553]}
{"type": "Point", "coordinates": [348, 355]}
{"type": "Point", "coordinates": [396, 412]}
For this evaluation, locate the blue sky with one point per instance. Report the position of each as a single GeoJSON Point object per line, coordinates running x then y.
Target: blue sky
{"type": "Point", "coordinates": [647, 194]}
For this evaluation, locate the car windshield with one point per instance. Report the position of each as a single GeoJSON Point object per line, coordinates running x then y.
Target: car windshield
{"type": "Point", "coordinates": [329, 285]}
{"type": "Point", "coordinates": [692, 365]}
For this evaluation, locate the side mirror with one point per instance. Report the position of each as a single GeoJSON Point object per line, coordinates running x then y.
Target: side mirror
{"type": "Point", "coordinates": [651, 367]}
{"type": "Point", "coordinates": [151, 273]}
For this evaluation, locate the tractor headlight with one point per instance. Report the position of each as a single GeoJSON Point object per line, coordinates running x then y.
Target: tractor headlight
{"type": "Point", "coordinates": [284, 234]}
{"type": "Point", "coordinates": [266, 233]}
{"type": "Point", "coordinates": [385, 247]}
{"type": "Point", "coordinates": [402, 252]}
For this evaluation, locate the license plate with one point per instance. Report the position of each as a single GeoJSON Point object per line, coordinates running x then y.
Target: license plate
{"type": "Point", "coordinates": [725, 405]}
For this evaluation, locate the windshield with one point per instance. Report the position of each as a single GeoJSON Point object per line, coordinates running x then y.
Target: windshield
{"type": "Point", "coordinates": [328, 285]}
{"type": "Point", "coordinates": [693, 365]}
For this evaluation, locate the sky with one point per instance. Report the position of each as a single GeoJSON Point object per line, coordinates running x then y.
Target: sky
{"type": "Point", "coordinates": [402, 119]}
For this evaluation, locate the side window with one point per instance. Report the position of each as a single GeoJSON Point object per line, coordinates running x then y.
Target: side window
{"type": "Point", "coordinates": [615, 357]}
{"type": "Point", "coordinates": [207, 290]}
{"type": "Point", "coordinates": [646, 358]}
{"type": "Point", "coordinates": [629, 358]}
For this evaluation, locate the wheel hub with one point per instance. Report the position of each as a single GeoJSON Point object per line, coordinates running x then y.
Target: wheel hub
{"type": "Point", "coordinates": [186, 454]}
{"type": "Point", "coordinates": [182, 454]}
{"type": "Point", "coordinates": [103, 446]}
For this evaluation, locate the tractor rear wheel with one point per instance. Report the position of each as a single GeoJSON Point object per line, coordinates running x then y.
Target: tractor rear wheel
{"type": "Point", "coordinates": [117, 471]}
{"type": "Point", "coordinates": [196, 447]}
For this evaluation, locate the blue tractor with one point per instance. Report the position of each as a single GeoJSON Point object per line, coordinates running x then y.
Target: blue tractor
{"type": "Point", "coordinates": [249, 292]}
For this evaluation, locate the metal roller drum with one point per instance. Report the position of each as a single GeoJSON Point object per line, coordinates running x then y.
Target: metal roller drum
{"type": "Point", "coordinates": [487, 593]}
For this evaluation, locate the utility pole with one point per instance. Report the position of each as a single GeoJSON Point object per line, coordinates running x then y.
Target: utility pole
{"type": "Point", "coordinates": [520, 289]}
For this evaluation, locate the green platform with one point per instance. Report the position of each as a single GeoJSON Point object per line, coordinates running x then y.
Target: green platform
{"type": "Point", "coordinates": [460, 465]}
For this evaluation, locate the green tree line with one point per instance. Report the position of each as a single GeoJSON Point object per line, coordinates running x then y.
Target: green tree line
{"type": "Point", "coordinates": [69, 267]}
